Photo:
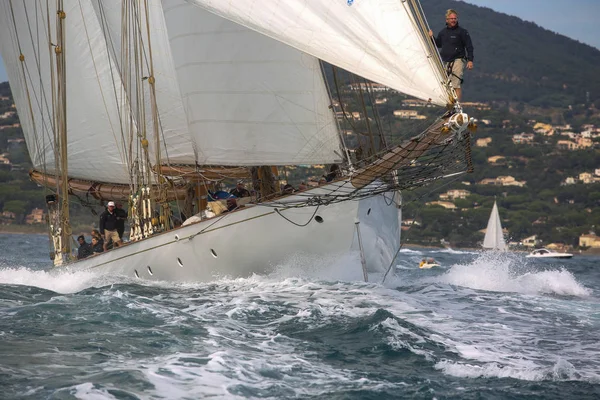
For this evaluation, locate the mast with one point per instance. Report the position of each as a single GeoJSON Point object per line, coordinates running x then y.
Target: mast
{"type": "Point", "coordinates": [61, 124]}
{"type": "Point", "coordinates": [165, 210]}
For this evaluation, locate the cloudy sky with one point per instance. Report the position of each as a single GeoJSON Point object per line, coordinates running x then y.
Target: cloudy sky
{"type": "Point", "coordinates": [577, 19]}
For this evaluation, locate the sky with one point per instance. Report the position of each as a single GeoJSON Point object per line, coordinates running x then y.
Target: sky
{"type": "Point", "coordinates": [577, 19]}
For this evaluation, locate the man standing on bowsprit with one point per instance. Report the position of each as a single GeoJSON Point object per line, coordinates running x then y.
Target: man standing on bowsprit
{"type": "Point", "coordinates": [456, 50]}
{"type": "Point", "coordinates": [109, 223]}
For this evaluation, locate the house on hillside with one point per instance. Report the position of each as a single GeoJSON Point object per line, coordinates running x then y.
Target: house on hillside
{"type": "Point", "coordinates": [587, 178]}
{"type": "Point", "coordinates": [584, 143]}
{"type": "Point", "coordinates": [455, 194]}
{"type": "Point", "coordinates": [566, 145]}
{"type": "Point", "coordinates": [415, 103]}
{"type": "Point", "coordinates": [476, 105]}
{"type": "Point", "coordinates": [502, 181]}
{"type": "Point", "coordinates": [369, 86]}
{"type": "Point", "coordinates": [589, 240]}
{"type": "Point", "coordinates": [5, 164]}
{"type": "Point", "coordinates": [497, 160]}
{"type": "Point", "coordinates": [445, 204]}
{"type": "Point", "coordinates": [408, 114]}
{"type": "Point", "coordinates": [543, 129]}
{"type": "Point", "coordinates": [523, 138]}
{"type": "Point", "coordinates": [7, 115]}
{"type": "Point", "coordinates": [510, 181]}
{"type": "Point", "coordinates": [530, 241]}
{"type": "Point", "coordinates": [36, 216]}
{"type": "Point", "coordinates": [483, 142]}
{"type": "Point", "coordinates": [7, 217]}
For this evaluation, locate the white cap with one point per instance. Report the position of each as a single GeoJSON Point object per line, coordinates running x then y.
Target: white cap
{"type": "Point", "coordinates": [110, 203]}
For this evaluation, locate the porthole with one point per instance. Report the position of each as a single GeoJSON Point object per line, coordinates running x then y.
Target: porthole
{"type": "Point", "coordinates": [150, 270]}
{"type": "Point", "coordinates": [136, 273]}
{"type": "Point", "coordinates": [368, 211]}
{"type": "Point", "coordinates": [319, 219]}
{"type": "Point", "coordinates": [179, 262]}
{"type": "Point", "coordinates": [214, 253]}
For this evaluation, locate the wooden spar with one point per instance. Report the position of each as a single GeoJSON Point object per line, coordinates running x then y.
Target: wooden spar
{"type": "Point", "coordinates": [201, 173]}
{"type": "Point", "coordinates": [103, 191]}
{"type": "Point", "coordinates": [400, 155]}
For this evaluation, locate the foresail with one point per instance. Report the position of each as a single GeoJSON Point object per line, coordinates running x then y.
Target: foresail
{"type": "Point", "coordinates": [376, 39]}
{"type": "Point", "coordinates": [249, 100]}
{"type": "Point", "coordinates": [494, 238]}
{"type": "Point", "coordinates": [95, 150]}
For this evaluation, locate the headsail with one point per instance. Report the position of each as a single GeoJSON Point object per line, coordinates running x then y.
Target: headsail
{"type": "Point", "coordinates": [376, 39]}
{"type": "Point", "coordinates": [494, 238]}
{"type": "Point", "coordinates": [249, 99]}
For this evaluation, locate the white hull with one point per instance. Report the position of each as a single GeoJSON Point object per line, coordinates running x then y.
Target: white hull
{"type": "Point", "coordinates": [545, 253]}
{"type": "Point", "coordinates": [557, 255]}
{"type": "Point", "coordinates": [255, 239]}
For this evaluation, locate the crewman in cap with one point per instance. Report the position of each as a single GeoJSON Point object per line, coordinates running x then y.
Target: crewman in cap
{"type": "Point", "coordinates": [109, 222]}
{"type": "Point", "coordinates": [240, 190]}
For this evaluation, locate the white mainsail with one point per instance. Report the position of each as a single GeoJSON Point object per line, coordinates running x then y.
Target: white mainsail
{"type": "Point", "coordinates": [494, 238]}
{"type": "Point", "coordinates": [225, 95]}
{"type": "Point", "coordinates": [95, 149]}
{"type": "Point", "coordinates": [376, 39]}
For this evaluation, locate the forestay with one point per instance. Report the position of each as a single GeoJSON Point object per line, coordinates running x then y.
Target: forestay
{"type": "Point", "coordinates": [376, 39]}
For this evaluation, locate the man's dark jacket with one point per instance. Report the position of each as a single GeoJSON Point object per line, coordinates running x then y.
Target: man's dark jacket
{"type": "Point", "coordinates": [453, 42]}
{"type": "Point", "coordinates": [108, 221]}
{"type": "Point", "coordinates": [85, 250]}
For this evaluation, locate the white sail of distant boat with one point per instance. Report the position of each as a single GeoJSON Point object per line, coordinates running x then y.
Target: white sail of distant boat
{"type": "Point", "coordinates": [159, 103]}
{"type": "Point", "coordinates": [494, 238]}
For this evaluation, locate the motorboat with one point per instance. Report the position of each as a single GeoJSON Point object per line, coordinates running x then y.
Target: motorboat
{"type": "Point", "coordinates": [545, 253]}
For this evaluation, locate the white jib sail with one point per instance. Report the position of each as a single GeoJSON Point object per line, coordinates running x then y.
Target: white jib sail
{"type": "Point", "coordinates": [494, 238]}
{"type": "Point", "coordinates": [376, 39]}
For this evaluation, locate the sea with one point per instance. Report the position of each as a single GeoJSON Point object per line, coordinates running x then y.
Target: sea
{"type": "Point", "coordinates": [480, 326]}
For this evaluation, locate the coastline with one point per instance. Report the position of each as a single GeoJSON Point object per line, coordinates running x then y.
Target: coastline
{"type": "Point", "coordinates": [23, 229]}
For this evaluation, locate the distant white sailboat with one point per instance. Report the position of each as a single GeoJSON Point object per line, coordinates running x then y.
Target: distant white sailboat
{"type": "Point", "coordinates": [494, 239]}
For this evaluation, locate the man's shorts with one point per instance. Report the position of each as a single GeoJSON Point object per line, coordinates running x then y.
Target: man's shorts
{"type": "Point", "coordinates": [458, 69]}
{"type": "Point", "coordinates": [114, 235]}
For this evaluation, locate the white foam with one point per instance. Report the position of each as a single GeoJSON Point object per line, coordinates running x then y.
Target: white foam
{"type": "Point", "coordinates": [492, 370]}
{"type": "Point", "coordinates": [508, 273]}
{"type": "Point", "coordinates": [57, 281]}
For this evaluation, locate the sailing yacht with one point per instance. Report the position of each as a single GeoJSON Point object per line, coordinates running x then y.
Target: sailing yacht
{"type": "Point", "coordinates": [494, 238]}
{"type": "Point", "coordinates": [156, 103]}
